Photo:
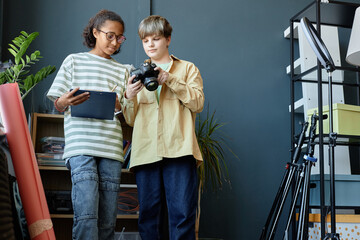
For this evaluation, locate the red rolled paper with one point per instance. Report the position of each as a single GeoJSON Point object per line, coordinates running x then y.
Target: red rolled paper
{"type": "Point", "coordinates": [24, 160]}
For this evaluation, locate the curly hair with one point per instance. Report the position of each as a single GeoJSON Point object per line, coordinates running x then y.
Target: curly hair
{"type": "Point", "coordinates": [96, 22]}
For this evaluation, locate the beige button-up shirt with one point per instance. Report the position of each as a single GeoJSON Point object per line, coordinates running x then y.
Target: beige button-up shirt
{"type": "Point", "coordinates": [166, 129]}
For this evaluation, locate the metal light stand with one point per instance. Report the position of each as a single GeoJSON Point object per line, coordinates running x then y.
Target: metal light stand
{"type": "Point", "coordinates": [286, 183]}
{"type": "Point", "coordinates": [332, 143]}
{"type": "Point", "coordinates": [326, 61]}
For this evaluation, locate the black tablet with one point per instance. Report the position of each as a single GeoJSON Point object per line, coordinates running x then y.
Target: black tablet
{"type": "Point", "coordinates": [100, 105]}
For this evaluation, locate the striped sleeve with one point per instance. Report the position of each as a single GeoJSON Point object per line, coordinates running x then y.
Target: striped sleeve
{"type": "Point", "coordinates": [62, 81]}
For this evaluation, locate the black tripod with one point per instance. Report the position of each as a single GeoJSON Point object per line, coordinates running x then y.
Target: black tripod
{"type": "Point", "coordinates": [303, 186]}
{"type": "Point", "coordinates": [301, 174]}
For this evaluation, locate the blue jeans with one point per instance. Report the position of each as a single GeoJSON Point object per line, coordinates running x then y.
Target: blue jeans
{"type": "Point", "coordinates": [174, 181]}
{"type": "Point", "coordinates": [95, 187]}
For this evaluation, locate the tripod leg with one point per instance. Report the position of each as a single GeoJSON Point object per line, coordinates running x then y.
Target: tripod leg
{"type": "Point", "coordinates": [281, 205]}
{"type": "Point", "coordinates": [299, 184]}
{"type": "Point", "coordinates": [275, 204]}
{"type": "Point", "coordinates": [284, 187]}
{"type": "Point", "coordinates": [304, 209]}
{"type": "Point", "coordinates": [303, 229]}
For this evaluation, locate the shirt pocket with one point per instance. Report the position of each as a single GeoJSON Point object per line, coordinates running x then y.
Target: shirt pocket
{"type": "Point", "coordinates": [169, 94]}
{"type": "Point", "coordinates": [146, 98]}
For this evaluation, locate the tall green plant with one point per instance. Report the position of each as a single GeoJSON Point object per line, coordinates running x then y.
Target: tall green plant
{"type": "Point", "coordinates": [212, 142]}
{"type": "Point", "coordinates": [18, 72]}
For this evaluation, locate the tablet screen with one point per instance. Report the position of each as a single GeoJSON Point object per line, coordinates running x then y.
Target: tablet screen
{"type": "Point", "coordinates": [100, 105]}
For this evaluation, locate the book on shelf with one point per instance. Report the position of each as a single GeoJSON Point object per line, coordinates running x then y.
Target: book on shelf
{"type": "Point", "coordinates": [52, 144]}
{"type": "Point", "coordinates": [126, 145]}
{"type": "Point", "coordinates": [127, 157]}
{"type": "Point", "coordinates": [50, 159]}
{"type": "Point", "coordinates": [50, 139]}
{"type": "Point", "coordinates": [49, 156]}
{"type": "Point", "coordinates": [57, 163]}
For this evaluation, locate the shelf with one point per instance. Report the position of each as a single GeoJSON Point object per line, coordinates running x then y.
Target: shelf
{"type": "Point", "coordinates": [58, 168]}
{"type": "Point", "coordinates": [297, 67]}
{"type": "Point", "coordinates": [298, 106]}
{"type": "Point", "coordinates": [345, 140]}
{"type": "Point", "coordinates": [334, 13]}
{"type": "Point", "coordinates": [342, 140]}
{"type": "Point", "coordinates": [48, 115]}
{"type": "Point", "coordinates": [57, 178]}
{"type": "Point", "coordinates": [119, 216]}
{"type": "Point", "coordinates": [53, 168]}
{"type": "Point", "coordinates": [295, 31]}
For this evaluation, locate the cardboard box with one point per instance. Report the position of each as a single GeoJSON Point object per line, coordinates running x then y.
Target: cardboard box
{"type": "Point", "coordinates": [346, 119]}
{"type": "Point", "coordinates": [347, 226]}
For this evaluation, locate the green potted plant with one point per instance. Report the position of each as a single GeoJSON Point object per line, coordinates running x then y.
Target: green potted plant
{"type": "Point", "coordinates": [18, 70]}
{"type": "Point", "coordinates": [213, 172]}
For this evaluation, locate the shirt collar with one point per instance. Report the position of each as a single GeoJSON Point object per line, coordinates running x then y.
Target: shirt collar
{"type": "Point", "coordinates": [171, 56]}
{"type": "Point", "coordinates": [174, 58]}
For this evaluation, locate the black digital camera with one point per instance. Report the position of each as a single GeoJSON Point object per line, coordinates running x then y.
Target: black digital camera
{"type": "Point", "coordinates": [147, 75]}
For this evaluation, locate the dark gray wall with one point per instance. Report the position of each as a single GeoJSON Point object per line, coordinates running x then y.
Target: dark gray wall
{"type": "Point", "coordinates": [240, 50]}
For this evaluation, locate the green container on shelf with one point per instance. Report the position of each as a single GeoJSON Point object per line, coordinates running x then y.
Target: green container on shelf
{"type": "Point", "coordinates": [346, 119]}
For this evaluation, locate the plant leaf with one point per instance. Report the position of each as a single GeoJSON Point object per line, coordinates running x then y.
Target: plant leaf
{"type": "Point", "coordinates": [28, 82]}
{"type": "Point", "coordinates": [12, 52]}
{"type": "Point", "coordinates": [33, 57]}
{"type": "Point", "coordinates": [20, 40]}
{"type": "Point", "coordinates": [24, 46]}
{"type": "Point", "coordinates": [16, 72]}
{"type": "Point", "coordinates": [28, 60]}
{"type": "Point", "coordinates": [16, 42]}
{"type": "Point", "coordinates": [10, 75]}
{"type": "Point", "coordinates": [2, 77]}
{"type": "Point", "coordinates": [13, 47]}
{"type": "Point", "coordinates": [214, 171]}
{"type": "Point", "coordinates": [24, 72]}
{"type": "Point", "coordinates": [24, 33]}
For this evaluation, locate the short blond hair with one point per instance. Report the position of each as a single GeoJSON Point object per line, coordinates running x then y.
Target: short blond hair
{"type": "Point", "coordinates": [154, 24]}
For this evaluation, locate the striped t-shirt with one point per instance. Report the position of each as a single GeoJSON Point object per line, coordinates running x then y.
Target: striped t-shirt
{"type": "Point", "coordinates": [85, 136]}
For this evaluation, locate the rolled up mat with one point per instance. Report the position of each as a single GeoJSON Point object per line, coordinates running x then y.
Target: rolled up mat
{"type": "Point", "coordinates": [26, 169]}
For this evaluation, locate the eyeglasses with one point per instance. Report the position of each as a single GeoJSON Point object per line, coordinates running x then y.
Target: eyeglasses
{"type": "Point", "coordinates": [111, 36]}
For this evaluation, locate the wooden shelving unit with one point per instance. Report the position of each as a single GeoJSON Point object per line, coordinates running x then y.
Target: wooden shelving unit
{"type": "Point", "coordinates": [57, 178]}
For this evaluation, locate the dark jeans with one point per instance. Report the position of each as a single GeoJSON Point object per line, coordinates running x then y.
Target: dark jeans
{"type": "Point", "coordinates": [175, 180]}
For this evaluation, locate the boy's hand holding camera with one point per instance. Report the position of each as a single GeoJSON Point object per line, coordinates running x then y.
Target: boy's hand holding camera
{"type": "Point", "coordinates": [163, 75]}
{"type": "Point", "coordinates": [134, 87]}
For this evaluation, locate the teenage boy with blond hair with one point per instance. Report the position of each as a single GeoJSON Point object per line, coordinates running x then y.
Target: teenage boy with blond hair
{"type": "Point", "coordinates": [165, 151]}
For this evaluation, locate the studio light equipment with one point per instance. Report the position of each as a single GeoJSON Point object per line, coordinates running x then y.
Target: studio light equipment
{"type": "Point", "coordinates": [326, 61]}
{"type": "Point", "coordinates": [353, 53]}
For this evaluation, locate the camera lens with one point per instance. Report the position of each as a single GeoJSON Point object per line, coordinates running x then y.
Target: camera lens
{"type": "Point", "coordinates": [151, 84]}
